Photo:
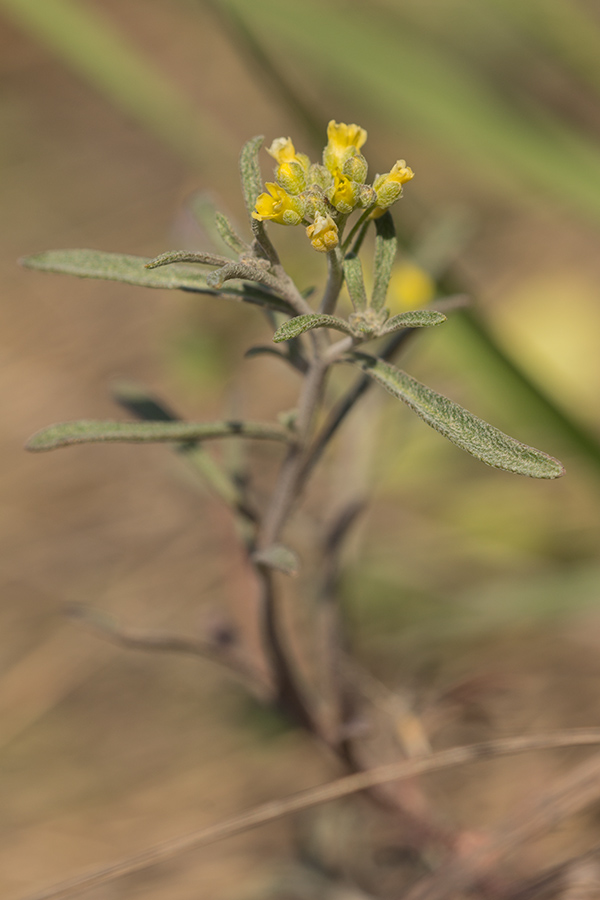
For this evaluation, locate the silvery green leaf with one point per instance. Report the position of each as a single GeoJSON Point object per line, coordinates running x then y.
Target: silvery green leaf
{"type": "Point", "coordinates": [460, 426]}
{"type": "Point", "coordinates": [250, 171]}
{"type": "Point", "coordinates": [385, 253]}
{"type": "Point", "coordinates": [278, 557]}
{"type": "Point", "coordinates": [85, 432]}
{"type": "Point", "coordinates": [113, 267]}
{"type": "Point", "coordinates": [229, 236]}
{"type": "Point", "coordinates": [413, 318]}
{"type": "Point", "coordinates": [187, 256]}
{"type": "Point", "coordinates": [355, 282]}
{"type": "Point", "coordinates": [132, 270]}
{"type": "Point", "coordinates": [299, 324]}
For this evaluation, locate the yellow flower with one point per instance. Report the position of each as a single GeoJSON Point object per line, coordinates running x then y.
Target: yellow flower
{"type": "Point", "coordinates": [282, 150]}
{"type": "Point", "coordinates": [411, 287]}
{"type": "Point", "coordinates": [279, 207]}
{"type": "Point", "coordinates": [343, 141]}
{"type": "Point", "coordinates": [389, 187]}
{"type": "Point", "coordinates": [343, 196]}
{"type": "Point", "coordinates": [293, 167]}
{"type": "Point", "coordinates": [323, 234]}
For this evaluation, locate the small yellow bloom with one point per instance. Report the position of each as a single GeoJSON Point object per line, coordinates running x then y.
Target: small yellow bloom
{"type": "Point", "coordinates": [389, 187]}
{"type": "Point", "coordinates": [282, 150]}
{"type": "Point", "coordinates": [343, 196]}
{"type": "Point", "coordinates": [343, 141]}
{"type": "Point", "coordinates": [292, 170]}
{"type": "Point", "coordinates": [323, 234]}
{"type": "Point", "coordinates": [278, 207]}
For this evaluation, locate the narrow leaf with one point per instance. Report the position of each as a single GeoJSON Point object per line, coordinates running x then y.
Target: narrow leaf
{"type": "Point", "coordinates": [414, 318]}
{"type": "Point", "coordinates": [113, 267]}
{"type": "Point", "coordinates": [355, 282]}
{"type": "Point", "coordinates": [136, 400]}
{"type": "Point", "coordinates": [132, 270]}
{"type": "Point", "coordinates": [250, 172]}
{"type": "Point", "coordinates": [467, 431]}
{"type": "Point", "coordinates": [300, 324]}
{"type": "Point", "coordinates": [385, 253]}
{"type": "Point", "coordinates": [278, 557]}
{"type": "Point", "coordinates": [187, 256]}
{"type": "Point", "coordinates": [85, 432]}
{"type": "Point", "coordinates": [229, 236]}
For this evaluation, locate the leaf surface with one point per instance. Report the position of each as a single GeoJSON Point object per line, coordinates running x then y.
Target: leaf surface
{"type": "Point", "coordinates": [87, 431]}
{"type": "Point", "coordinates": [299, 324]}
{"type": "Point", "coordinates": [467, 431]}
{"type": "Point", "coordinates": [132, 270]}
{"type": "Point", "coordinates": [414, 318]}
{"type": "Point", "coordinates": [385, 254]}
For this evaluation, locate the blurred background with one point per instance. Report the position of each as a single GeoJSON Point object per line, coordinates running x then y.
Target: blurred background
{"type": "Point", "coordinates": [112, 116]}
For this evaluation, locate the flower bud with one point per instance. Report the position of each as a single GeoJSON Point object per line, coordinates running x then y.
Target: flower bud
{"type": "Point", "coordinates": [355, 168]}
{"type": "Point", "coordinates": [319, 176]}
{"type": "Point", "coordinates": [389, 187]}
{"type": "Point", "coordinates": [343, 142]}
{"type": "Point", "coordinates": [291, 176]}
{"type": "Point", "coordinates": [323, 234]}
{"type": "Point", "coordinates": [344, 195]}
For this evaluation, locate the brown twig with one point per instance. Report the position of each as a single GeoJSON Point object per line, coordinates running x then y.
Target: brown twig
{"type": "Point", "coordinates": [276, 809]}
{"type": "Point", "coordinates": [221, 650]}
{"type": "Point", "coordinates": [564, 798]}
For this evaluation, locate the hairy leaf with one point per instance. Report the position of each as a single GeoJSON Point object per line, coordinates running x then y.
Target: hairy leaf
{"type": "Point", "coordinates": [355, 283]}
{"type": "Point", "coordinates": [414, 318]}
{"type": "Point", "coordinates": [300, 324]}
{"type": "Point", "coordinates": [84, 432]}
{"type": "Point", "coordinates": [132, 270]}
{"type": "Point", "coordinates": [229, 236]}
{"type": "Point", "coordinates": [385, 253]}
{"type": "Point", "coordinates": [250, 171]}
{"type": "Point", "coordinates": [467, 431]}
{"type": "Point", "coordinates": [113, 267]}
{"type": "Point", "coordinates": [187, 256]}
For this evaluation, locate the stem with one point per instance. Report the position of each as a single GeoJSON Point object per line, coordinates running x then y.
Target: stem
{"type": "Point", "coordinates": [335, 262]}
{"type": "Point", "coordinates": [346, 404]}
{"type": "Point", "coordinates": [356, 226]}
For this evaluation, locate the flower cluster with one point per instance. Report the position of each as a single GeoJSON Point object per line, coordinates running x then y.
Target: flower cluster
{"type": "Point", "coordinates": [322, 196]}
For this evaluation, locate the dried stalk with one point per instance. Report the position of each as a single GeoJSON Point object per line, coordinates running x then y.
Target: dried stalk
{"type": "Point", "coordinates": [567, 798]}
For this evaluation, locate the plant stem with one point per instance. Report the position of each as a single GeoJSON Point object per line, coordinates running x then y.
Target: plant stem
{"type": "Point", "coordinates": [335, 263]}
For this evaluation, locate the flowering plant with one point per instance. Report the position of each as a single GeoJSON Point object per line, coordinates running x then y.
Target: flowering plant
{"type": "Point", "coordinates": [323, 198]}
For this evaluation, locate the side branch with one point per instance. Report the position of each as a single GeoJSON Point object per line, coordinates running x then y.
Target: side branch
{"type": "Point", "coordinates": [222, 649]}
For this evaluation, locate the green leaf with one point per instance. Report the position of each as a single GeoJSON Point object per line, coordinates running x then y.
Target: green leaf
{"type": "Point", "coordinates": [413, 318]}
{"type": "Point", "coordinates": [135, 399]}
{"type": "Point", "coordinates": [187, 256]}
{"type": "Point", "coordinates": [132, 270]}
{"type": "Point", "coordinates": [113, 267]}
{"type": "Point", "coordinates": [250, 171]}
{"type": "Point", "coordinates": [229, 236]}
{"type": "Point", "coordinates": [355, 282]}
{"type": "Point", "coordinates": [467, 431]}
{"type": "Point", "coordinates": [278, 557]}
{"type": "Point", "coordinates": [385, 254]}
{"type": "Point", "coordinates": [85, 432]}
{"type": "Point", "coordinates": [300, 324]}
